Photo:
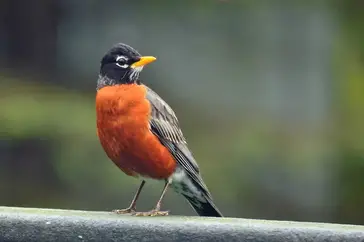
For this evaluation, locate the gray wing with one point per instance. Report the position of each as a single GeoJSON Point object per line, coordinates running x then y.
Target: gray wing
{"type": "Point", "coordinates": [164, 124]}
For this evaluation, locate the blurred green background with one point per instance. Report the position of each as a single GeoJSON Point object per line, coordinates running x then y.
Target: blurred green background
{"type": "Point", "coordinates": [270, 95]}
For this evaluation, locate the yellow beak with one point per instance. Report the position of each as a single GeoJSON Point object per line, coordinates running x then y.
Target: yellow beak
{"type": "Point", "coordinates": [144, 60]}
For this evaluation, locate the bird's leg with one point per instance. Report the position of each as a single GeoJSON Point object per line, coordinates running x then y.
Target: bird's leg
{"type": "Point", "coordinates": [132, 207]}
{"type": "Point", "coordinates": [156, 211]}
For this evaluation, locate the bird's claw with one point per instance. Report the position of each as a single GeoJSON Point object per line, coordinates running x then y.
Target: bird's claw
{"type": "Point", "coordinates": [151, 213]}
{"type": "Point", "coordinates": [124, 211]}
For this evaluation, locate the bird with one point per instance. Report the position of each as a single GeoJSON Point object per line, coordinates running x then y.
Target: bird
{"type": "Point", "coordinates": [141, 134]}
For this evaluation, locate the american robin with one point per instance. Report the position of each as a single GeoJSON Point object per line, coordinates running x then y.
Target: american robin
{"type": "Point", "coordinates": [140, 133]}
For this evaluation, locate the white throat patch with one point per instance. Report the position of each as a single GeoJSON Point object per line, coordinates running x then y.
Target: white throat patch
{"type": "Point", "coordinates": [134, 73]}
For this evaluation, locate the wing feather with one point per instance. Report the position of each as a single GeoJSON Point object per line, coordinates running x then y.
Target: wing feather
{"type": "Point", "coordinates": [164, 124]}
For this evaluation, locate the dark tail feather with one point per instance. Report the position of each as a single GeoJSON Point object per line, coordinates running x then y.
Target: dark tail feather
{"type": "Point", "coordinates": [206, 209]}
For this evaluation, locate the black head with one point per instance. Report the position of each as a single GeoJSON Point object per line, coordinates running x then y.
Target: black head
{"type": "Point", "coordinates": [121, 65]}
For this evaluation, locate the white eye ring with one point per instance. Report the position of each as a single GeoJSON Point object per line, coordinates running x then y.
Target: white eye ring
{"type": "Point", "coordinates": [122, 58]}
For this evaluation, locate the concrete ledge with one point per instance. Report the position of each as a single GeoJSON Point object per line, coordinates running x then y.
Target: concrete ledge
{"type": "Point", "coordinates": [31, 224]}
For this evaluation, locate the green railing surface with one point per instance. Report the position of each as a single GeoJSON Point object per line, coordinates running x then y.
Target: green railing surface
{"type": "Point", "coordinates": [32, 224]}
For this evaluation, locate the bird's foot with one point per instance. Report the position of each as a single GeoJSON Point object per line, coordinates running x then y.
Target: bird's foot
{"type": "Point", "coordinates": [151, 213]}
{"type": "Point", "coordinates": [124, 211]}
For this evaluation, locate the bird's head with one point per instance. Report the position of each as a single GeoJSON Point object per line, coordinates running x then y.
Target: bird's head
{"type": "Point", "coordinates": [122, 64]}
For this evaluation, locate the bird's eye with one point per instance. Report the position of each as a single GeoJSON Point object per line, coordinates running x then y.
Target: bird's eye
{"type": "Point", "coordinates": [121, 61]}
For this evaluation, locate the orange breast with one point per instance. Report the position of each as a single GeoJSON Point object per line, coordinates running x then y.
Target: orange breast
{"type": "Point", "coordinates": [123, 114]}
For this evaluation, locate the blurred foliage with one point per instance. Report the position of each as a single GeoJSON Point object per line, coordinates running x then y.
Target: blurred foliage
{"type": "Point", "coordinates": [256, 164]}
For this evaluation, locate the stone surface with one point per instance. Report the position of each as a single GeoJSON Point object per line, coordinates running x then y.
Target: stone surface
{"type": "Point", "coordinates": [31, 224]}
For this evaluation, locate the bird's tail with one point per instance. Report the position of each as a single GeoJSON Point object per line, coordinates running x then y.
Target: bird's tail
{"type": "Point", "coordinates": [204, 208]}
{"type": "Point", "coordinates": [192, 187]}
